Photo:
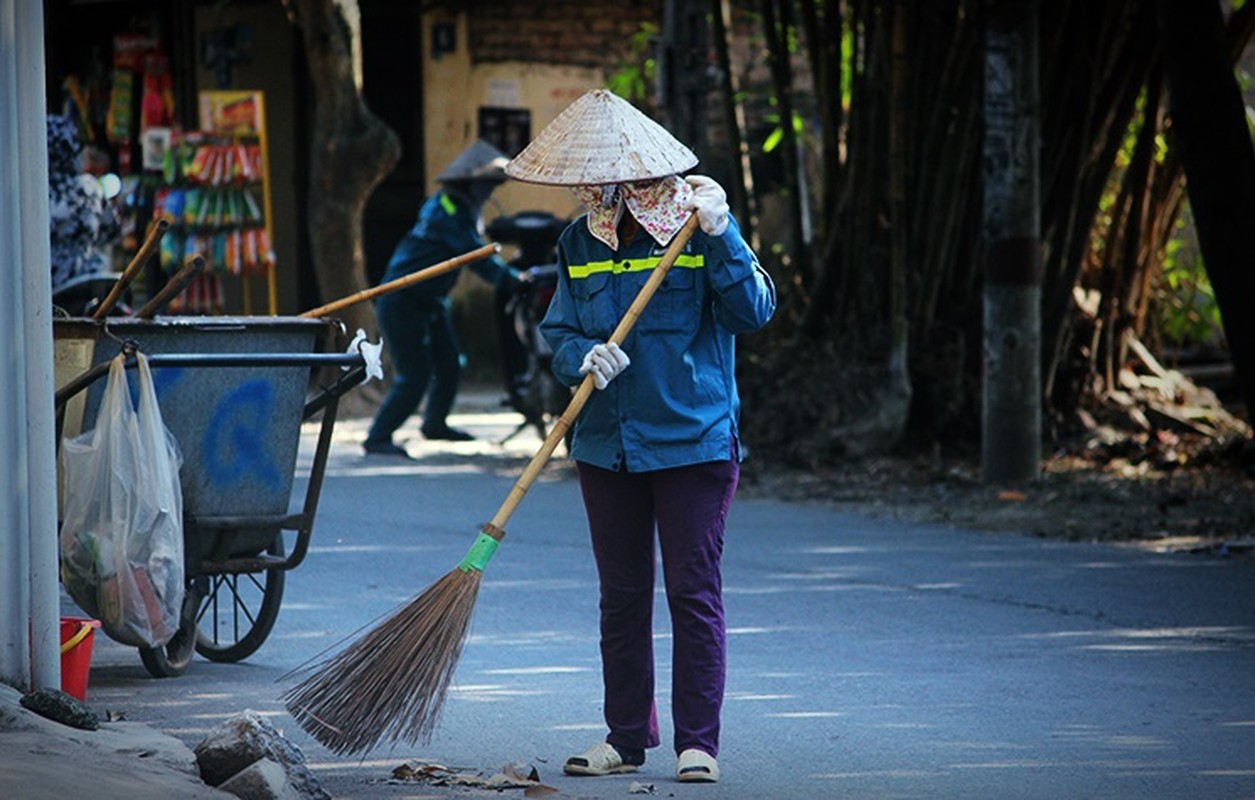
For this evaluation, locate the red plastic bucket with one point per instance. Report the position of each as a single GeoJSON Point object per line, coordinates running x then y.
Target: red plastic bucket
{"type": "Point", "coordinates": [76, 654]}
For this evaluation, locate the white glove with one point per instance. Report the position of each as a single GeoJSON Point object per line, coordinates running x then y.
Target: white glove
{"type": "Point", "coordinates": [710, 202]}
{"type": "Point", "coordinates": [370, 352]}
{"type": "Point", "coordinates": [604, 361]}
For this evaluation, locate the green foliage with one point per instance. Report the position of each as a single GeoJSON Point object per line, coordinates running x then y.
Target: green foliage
{"type": "Point", "coordinates": [1188, 316]}
{"type": "Point", "coordinates": [847, 68]}
{"type": "Point", "coordinates": [633, 75]}
{"type": "Point", "coordinates": [777, 133]}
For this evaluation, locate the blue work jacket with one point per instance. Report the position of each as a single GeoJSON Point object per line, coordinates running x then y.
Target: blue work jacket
{"type": "Point", "coordinates": [677, 403]}
{"type": "Point", "coordinates": [446, 228]}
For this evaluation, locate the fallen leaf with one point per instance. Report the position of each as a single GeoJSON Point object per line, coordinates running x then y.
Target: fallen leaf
{"type": "Point", "coordinates": [640, 788]}
{"type": "Point", "coordinates": [503, 781]}
{"type": "Point", "coordinates": [522, 772]}
{"type": "Point", "coordinates": [1011, 495]}
{"type": "Point", "coordinates": [422, 771]}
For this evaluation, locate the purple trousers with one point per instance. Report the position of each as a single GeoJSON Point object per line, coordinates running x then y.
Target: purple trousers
{"type": "Point", "coordinates": [688, 507]}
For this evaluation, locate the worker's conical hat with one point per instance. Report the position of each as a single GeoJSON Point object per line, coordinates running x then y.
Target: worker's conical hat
{"type": "Point", "coordinates": [600, 138]}
{"type": "Point", "coordinates": [479, 162]}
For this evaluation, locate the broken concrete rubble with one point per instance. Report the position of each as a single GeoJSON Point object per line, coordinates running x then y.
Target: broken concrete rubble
{"type": "Point", "coordinates": [246, 739]}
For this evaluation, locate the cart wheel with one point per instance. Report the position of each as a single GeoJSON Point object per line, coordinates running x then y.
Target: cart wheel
{"type": "Point", "coordinates": [171, 660]}
{"type": "Point", "coordinates": [239, 611]}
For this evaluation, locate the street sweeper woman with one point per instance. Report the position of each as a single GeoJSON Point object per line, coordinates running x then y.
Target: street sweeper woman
{"type": "Point", "coordinates": [657, 444]}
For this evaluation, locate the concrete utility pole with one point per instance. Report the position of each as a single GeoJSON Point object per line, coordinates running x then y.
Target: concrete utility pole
{"type": "Point", "coordinates": [30, 652]}
{"type": "Point", "coordinates": [1011, 408]}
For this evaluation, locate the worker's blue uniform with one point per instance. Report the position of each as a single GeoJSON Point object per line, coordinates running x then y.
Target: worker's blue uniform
{"type": "Point", "coordinates": [677, 404]}
{"type": "Point", "coordinates": [415, 321]}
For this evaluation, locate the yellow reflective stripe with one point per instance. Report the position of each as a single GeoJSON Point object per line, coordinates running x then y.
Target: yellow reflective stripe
{"type": "Point", "coordinates": [448, 205]}
{"type": "Point", "coordinates": [578, 271]}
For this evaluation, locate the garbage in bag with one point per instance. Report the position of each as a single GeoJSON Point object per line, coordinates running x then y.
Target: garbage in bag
{"type": "Point", "coordinates": [121, 535]}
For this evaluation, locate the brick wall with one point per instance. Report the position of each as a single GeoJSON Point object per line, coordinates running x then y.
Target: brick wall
{"type": "Point", "coordinates": [583, 33]}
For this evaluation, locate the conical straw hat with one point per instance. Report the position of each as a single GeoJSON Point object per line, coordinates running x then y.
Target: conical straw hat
{"type": "Point", "coordinates": [480, 161]}
{"type": "Point", "coordinates": [600, 138]}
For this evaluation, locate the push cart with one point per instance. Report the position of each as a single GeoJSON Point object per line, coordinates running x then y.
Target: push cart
{"type": "Point", "coordinates": [234, 392]}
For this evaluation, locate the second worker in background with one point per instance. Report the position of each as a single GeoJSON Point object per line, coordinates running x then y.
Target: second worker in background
{"type": "Point", "coordinates": [415, 321]}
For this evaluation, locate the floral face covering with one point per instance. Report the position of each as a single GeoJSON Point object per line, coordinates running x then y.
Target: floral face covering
{"type": "Point", "coordinates": [658, 205]}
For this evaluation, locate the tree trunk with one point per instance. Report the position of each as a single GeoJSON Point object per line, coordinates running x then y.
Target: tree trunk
{"type": "Point", "coordinates": [822, 23]}
{"type": "Point", "coordinates": [823, 27]}
{"type": "Point", "coordinates": [741, 192]}
{"type": "Point", "coordinates": [351, 152]}
{"type": "Point", "coordinates": [1209, 132]}
{"type": "Point", "coordinates": [776, 28]}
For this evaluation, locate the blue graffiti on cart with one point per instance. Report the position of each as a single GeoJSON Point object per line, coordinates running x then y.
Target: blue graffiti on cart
{"type": "Point", "coordinates": [235, 435]}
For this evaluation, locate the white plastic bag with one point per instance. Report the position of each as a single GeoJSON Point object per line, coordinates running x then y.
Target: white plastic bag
{"type": "Point", "coordinates": [122, 527]}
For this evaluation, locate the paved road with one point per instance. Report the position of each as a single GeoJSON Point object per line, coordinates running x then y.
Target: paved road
{"type": "Point", "coordinates": [868, 658]}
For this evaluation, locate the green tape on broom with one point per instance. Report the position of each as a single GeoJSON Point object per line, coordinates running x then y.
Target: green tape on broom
{"type": "Point", "coordinates": [480, 553]}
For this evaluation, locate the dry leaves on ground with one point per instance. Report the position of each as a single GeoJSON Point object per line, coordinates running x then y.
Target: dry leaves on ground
{"type": "Point", "coordinates": [1158, 462]}
{"type": "Point", "coordinates": [1178, 498]}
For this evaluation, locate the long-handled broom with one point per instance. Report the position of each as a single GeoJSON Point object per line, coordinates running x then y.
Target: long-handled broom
{"type": "Point", "coordinates": [391, 683]}
{"type": "Point", "coordinates": [421, 275]}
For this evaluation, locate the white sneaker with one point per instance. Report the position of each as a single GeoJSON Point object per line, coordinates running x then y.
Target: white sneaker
{"type": "Point", "coordinates": [696, 766]}
{"type": "Point", "coordinates": [600, 759]}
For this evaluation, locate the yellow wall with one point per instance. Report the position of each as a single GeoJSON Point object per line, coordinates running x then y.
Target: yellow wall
{"type": "Point", "coordinates": [454, 91]}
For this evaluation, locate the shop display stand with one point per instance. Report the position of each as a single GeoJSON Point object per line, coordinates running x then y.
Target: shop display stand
{"type": "Point", "coordinates": [216, 193]}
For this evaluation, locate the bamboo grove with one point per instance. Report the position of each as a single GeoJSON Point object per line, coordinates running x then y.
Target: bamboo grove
{"type": "Point", "coordinates": [876, 237]}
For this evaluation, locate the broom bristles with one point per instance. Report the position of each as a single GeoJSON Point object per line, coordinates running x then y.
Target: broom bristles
{"type": "Point", "coordinates": [391, 683]}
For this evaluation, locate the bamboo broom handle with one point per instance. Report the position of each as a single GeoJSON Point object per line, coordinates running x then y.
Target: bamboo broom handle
{"type": "Point", "coordinates": [496, 528]}
{"type": "Point", "coordinates": [151, 240]}
{"type": "Point", "coordinates": [400, 283]}
{"type": "Point", "coordinates": [192, 266]}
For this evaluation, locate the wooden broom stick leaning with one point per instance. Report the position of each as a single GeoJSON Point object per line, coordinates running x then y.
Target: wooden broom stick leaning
{"type": "Point", "coordinates": [392, 682]}
{"type": "Point", "coordinates": [409, 280]}
{"type": "Point", "coordinates": [151, 240]}
{"type": "Point", "coordinates": [192, 265]}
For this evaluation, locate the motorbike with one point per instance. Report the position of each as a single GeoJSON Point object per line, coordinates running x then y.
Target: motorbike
{"type": "Point", "coordinates": [531, 388]}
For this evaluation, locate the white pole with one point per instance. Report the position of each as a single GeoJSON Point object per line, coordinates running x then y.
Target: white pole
{"type": "Point", "coordinates": [30, 598]}
{"type": "Point", "coordinates": [14, 523]}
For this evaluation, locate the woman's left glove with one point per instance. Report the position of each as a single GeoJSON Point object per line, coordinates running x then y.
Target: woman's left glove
{"type": "Point", "coordinates": [710, 202]}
